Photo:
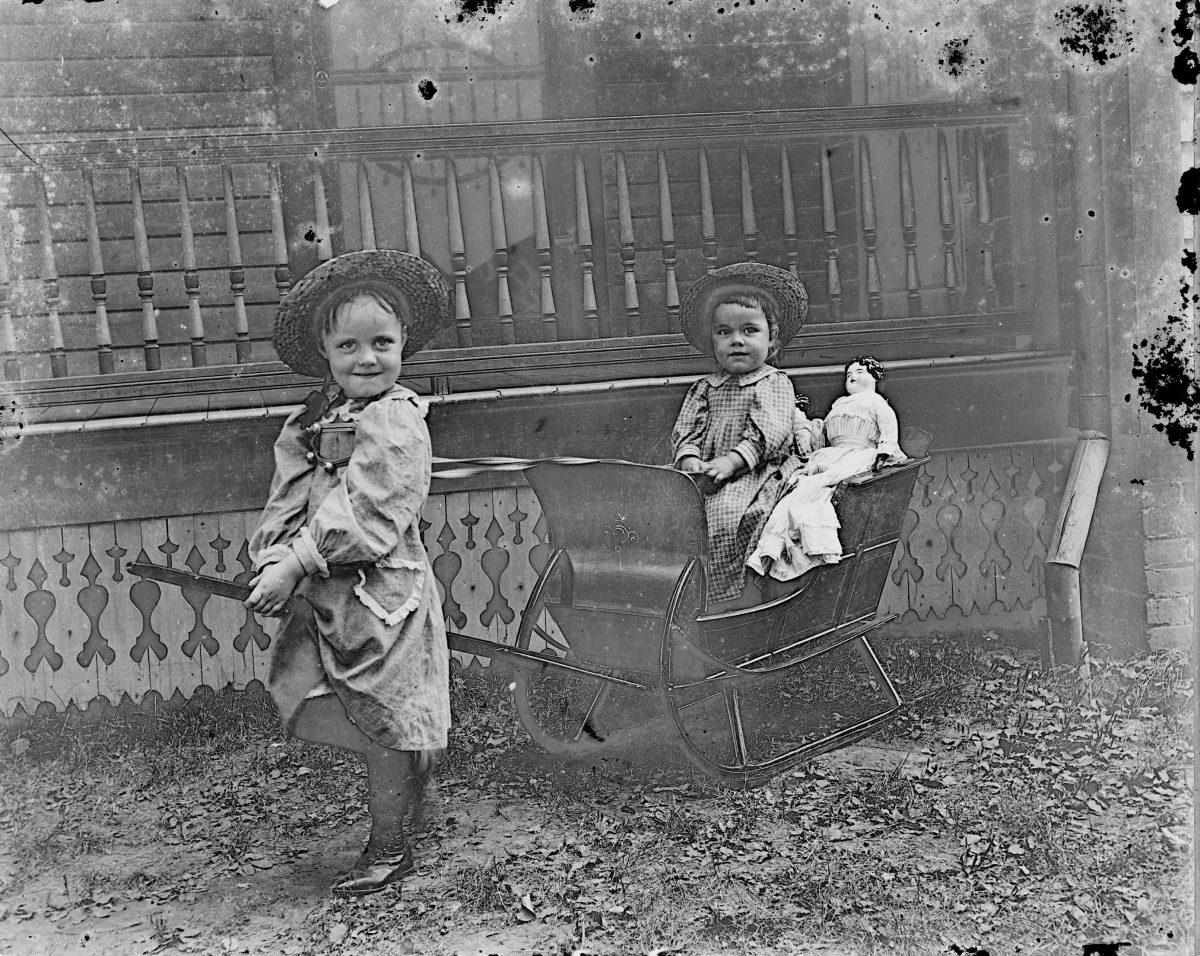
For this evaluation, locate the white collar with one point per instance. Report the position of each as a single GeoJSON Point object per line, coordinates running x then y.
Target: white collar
{"type": "Point", "coordinates": [717, 379]}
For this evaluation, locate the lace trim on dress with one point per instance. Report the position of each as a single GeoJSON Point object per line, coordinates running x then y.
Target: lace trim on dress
{"type": "Point", "coordinates": [390, 618]}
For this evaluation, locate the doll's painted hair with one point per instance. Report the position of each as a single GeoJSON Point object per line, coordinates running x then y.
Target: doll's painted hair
{"type": "Point", "coordinates": [383, 294]}
{"type": "Point", "coordinates": [872, 365]}
{"type": "Point", "coordinates": [749, 299]}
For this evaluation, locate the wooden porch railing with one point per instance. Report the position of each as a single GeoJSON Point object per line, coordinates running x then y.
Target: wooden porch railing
{"type": "Point", "coordinates": [152, 253]}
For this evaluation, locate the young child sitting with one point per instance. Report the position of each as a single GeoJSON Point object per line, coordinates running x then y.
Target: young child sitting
{"type": "Point", "coordinates": [735, 425]}
{"type": "Point", "coordinates": [362, 663]}
{"type": "Point", "coordinates": [859, 432]}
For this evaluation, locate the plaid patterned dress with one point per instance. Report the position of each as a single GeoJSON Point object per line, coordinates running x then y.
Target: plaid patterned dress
{"type": "Point", "coordinates": [751, 414]}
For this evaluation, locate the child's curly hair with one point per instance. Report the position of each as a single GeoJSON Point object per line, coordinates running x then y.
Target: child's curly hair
{"type": "Point", "coordinates": [872, 365]}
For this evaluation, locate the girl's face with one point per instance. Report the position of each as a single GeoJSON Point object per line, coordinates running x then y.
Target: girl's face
{"type": "Point", "coordinates": [858, 379]}
{"type": "Point", "coordinates": [741, 337]}
{"type": "Point", "coordinates": [364, 348]}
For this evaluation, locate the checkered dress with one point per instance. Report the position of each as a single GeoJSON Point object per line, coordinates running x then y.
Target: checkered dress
{"type": "Point", "coordinates": [751, 414]}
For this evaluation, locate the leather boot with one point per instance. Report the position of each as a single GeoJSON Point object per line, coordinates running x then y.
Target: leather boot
{"type": "Point", "coordinates": [372, 873]}
{"type": "Point", "coordinates": [387, 856]}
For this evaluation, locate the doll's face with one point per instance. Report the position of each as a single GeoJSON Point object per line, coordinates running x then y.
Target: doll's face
{"type": "Point", "coordinates": [741, 337]}
{"type": "Point", "coordinates": [364, 347]}
{"type": "Point", "coordinates": [858, 379]}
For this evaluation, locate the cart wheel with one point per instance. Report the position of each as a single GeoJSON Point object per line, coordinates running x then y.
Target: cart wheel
{"type": "Point", "coordinates": [746, 728]}
{"type": "Point", "coordinates": [565, 713]}
{"type": "Point", "coordinates": [705, 711]}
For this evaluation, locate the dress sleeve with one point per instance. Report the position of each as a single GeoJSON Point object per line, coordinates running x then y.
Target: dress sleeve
{"type": "Point", "coordinates": [889, 430]}
{"type": "Point", "coordinates": [769, 425]}
{"type": "Point", "coordinates": [379, 494]}
{"type": "Point", "coordinates": [284, 513]}
{"type": "Point", "coordinates": [806, 431]}
{"type": "Point", "coordinates": [687, 436]}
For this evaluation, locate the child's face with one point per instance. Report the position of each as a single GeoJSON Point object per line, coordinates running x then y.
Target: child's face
{"type": "Point", "coordinates": [364, 348]}
{"type": "Point", "coordinates": [858, 379]}
{"type": "Point", "coordinates": [741, 337]}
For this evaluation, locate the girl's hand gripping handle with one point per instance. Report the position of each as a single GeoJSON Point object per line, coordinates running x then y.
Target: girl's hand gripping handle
{"type": "Point", "coordinates": [273, 585]}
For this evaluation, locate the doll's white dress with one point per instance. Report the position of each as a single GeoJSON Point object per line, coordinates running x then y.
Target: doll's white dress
{"type": "Point", "coordinates": [802, 531]}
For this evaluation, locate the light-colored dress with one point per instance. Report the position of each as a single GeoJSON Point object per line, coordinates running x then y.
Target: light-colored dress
{"type": "Point", "coordinates": [370, 626]}
{"type": "Point", "coordinates": [751, 414]}
{"type": "Point", "coordinates": [802, 531]}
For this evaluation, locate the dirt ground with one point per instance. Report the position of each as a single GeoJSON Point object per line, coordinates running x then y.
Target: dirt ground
{"type": "Point", "coordinates": [1008, 811]}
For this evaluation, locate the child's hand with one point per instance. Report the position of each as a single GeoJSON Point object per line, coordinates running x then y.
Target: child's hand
{"type": "Point", "coordinates": [273, 585]}
{"type": "Point", "coordinates": [725, 467]}
{"type": "Point", "coordinates": [689, 464]}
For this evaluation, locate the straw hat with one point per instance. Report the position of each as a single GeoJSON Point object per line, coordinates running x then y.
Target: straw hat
{"type": "Point", "coordinates": [410, 277]}
{"type": "Point", "coordinates": [783, 288]}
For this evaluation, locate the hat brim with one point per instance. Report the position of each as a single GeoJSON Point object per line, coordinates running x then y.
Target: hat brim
{"type": "Point", "coordinates": [785, 290]}
{"type": "Point", "coordinates": [419, 283]}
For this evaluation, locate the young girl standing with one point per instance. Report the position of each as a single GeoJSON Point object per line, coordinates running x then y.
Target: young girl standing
{"type": "Point", "coordinates": [859, 432]}
{"type": "Point", "coordinates": [735, 425]}
{"type": "Point", "coordinates": [362, 662]}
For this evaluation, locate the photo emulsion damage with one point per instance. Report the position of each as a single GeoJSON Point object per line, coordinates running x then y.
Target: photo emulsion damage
{"type": "Point", "coordinates": [597, 476]}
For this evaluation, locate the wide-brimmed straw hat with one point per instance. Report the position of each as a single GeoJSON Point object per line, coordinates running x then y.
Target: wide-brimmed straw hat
{"type": "Point", "coordinates": [785, 290]}
{"type": "Point", "coordinates": [417, 282]}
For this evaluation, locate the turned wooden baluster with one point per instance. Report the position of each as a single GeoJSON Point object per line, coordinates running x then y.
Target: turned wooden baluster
{"type": "Point", "coordinates": [366, 212]}
{"type": "Point", "coordinates": [500, 251]}
{"type": "Point", "coordinates": [583, 237]}
{"type": "Point", "coordinates": [749, 222]}
{"type": "Point", "coordinates": [8, 333]}
{"type": "Point", "coordinates": [145, 277]}
{"type": "Point", "coordinates": [541, 233]}
{"type": "Point", "coordinates": [458, 257]}
{"type": "Point", "coordinates": [412, 235]}
{"type": "Point", "coordinates": [867, 197]}
{"type": "Point", "coordinates": [633, 314]}
{"type": "Point", "coordinates": [237, 271]}
{"type": "Point", "coordinates": [667, 221]}
{"type": "Point", "coordinates": [58, 353]}
{"type": "Point", "coordinates": [908, 225]}
{"type": "Point", "coordinates": [833, 276]}
{"type": "Point", "coordinates": [283, 273]}
{"type": "Point", "coordinates": [790, 239]}
{"type": "Point", "coordinates": [191, 275]}
{"type": "Point", "coordinates": [99, 280]}
{"type": "Point", "coordinates": [708, 222]}
{"type": "Point", "coordinates": [51, 281]}
{"type": "Point", "coordinates": [321, 214]}
{"type": "Point", "coordinates": [946, 209]}
{"type": "Point", "coordinates": [986, 230]}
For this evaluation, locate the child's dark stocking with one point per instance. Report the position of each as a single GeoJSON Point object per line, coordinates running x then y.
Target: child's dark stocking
{"type": "Point", "coordinates": [390, 787]}
{"type": "Point", "coordinates": [387, 857]}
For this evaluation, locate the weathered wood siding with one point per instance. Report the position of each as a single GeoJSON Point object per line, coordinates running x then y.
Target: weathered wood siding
{"type": "Point", "coordinates": [109, 67]}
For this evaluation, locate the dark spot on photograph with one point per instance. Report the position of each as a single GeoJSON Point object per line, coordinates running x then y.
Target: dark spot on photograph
{"type": "Point", "coordinates": [953, 58]}
{"type": "Point", "coordinates": [1188, 197]}
{"type": "Point", "coordinates": [1187, 68]}
{"type": "Point", "coordinates": [427, 89]}
{"type": "Point", "coordinates": [478, 9]}
{"type": "Point", "coordinates": [1167, 387]}
{"type": "Point", "coordinates": [1094, 31]}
